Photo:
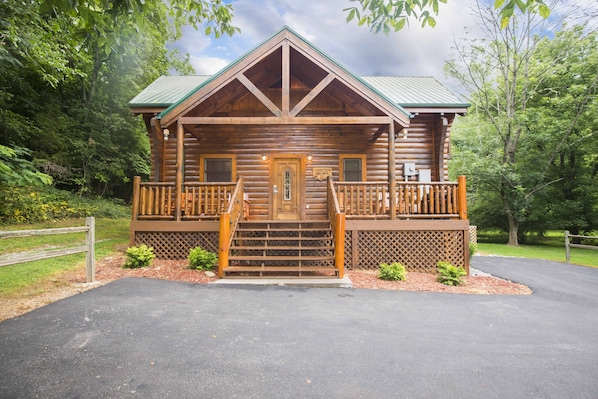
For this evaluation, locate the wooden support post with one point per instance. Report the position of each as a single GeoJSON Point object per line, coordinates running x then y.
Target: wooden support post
{"type": "Point", "coordinates": [135, 207]}
{"type": "Point", "coordinates": [286, 78]}
{"type": "Point", "coordinates": [339, 244]}
{"type": "Point", "coordinates": [392, 175]}
{"type": "Point", "coordinates": [90, 269]}
{"type": "Point", "coordinates": [178, 189]}
{"type": "Point", "coordinates": [223, 243]}
{"type": "Point", "coordinates": [462, 197]}
{"type": "Point", "coordinates": [567, 247]}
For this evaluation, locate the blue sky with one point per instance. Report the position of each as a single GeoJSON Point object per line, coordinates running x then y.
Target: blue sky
{"type": "Point", "coordinates": [414, 51]}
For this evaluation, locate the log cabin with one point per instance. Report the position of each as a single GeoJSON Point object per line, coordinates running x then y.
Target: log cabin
{"type": "Point", "coordinates": [285, 163]}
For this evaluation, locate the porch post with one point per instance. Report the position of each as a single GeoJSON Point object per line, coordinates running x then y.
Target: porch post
{"type": "Point", "coordinates": [392, 178]}
{"type": "Point", "coordinates": [178, 189]}
{"type": "Point", "coordinates": [462, 197]}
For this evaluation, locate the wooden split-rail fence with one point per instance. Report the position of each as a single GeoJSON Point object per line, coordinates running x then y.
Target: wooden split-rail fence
{"type": "Point", "coordinates": [24, 257]}
{"type": "Point", "coordinates": [569, 245]}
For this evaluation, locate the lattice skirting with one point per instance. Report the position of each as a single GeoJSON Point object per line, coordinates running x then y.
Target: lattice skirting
{"type": "Point", "coordinates": [176, 245]}
{"type": "Point", "coordinates": [418, 251]}
{"type": "Point", "coordinates": [473, 234]}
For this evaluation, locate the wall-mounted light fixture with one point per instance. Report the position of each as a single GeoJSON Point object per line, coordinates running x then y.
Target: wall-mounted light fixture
{"type": "Point", "coordinates": [310, 157]}
{"type": "Point", "coordinates": [166, 133]}
{"type": "Point", "coordinates": [264, 157]}
{"type": "Point", "coordinates": [405, 132]}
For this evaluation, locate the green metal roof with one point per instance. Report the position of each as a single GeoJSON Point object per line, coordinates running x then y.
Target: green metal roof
{"type": "Point", "coordinates": [409, 91]}
{"type": "Point", "coordinates": [414, 91]}
{"type": "Point", "coordinates": [169, 91]}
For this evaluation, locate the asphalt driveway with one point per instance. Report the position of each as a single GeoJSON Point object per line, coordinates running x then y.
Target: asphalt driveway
{"type": "Point", "coordinates": [158, 339]}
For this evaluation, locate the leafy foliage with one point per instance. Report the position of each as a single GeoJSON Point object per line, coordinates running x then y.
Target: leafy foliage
{"type": "Point", "coordinates": [393, 272]}
{"type": "Point", "coordinates": [526, 145]}
{"type": "Point", "coordinates": [449, 274]}
{"type": "Point", "coordinates": [392, 15]}
{"type": "Point", "coordinates": [201, 259]}
{"type": "Point", "coordinates": [37, 204]}
{"type": "Point", "coordinates": [141, 256]}
{"type": "Point", "coordinates": [68, 69]}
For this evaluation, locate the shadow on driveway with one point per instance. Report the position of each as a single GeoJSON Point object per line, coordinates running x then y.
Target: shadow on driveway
{"type": "Point", "coordinates": [159, 339]}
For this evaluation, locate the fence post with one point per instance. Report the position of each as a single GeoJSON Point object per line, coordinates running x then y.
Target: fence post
{"type": "Point", "coordinates": [90, 268]}
{"type": "Point", "coordinates": [567, 248]}
{"type": "Point", "coordinates": [462, 197]}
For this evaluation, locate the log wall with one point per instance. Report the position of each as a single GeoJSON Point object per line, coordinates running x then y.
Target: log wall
{"type": "Point", "coordinates": [325, 143]}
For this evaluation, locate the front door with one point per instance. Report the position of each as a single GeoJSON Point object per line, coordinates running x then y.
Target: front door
{"type": "Point", "coordinates": [286, 181]}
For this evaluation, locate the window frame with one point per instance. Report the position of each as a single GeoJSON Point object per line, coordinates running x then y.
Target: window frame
{"type": "Point", "coordinates": [202, 165]}
{"type": "Point", "coordinates": [341, 165]}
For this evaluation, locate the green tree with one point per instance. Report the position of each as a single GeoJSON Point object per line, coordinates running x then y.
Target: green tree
{"type": "Point", "coordinates": [68, 69]}
{"type": "Point", "coordinates": [393, 15]}
{"type": "Point", "coordinates": [533, 99]}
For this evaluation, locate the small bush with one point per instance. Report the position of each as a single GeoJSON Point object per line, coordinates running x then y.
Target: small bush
{"type": "Point", "coordinates": [449, 274]}
{"type": "Point", "coordinates": [141, 256]}
{"type": "Point", "coordinates": [201, 259]}
{"type": "Point", "coordinates": [392, 272]}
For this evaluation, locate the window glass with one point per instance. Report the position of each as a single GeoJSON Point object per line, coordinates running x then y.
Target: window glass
{"type": "Point", "coordinates": [218, 170]}
{"type": "Point", "coordinates": [352, 169]}
{"type": "Point", "coordinates": [287, 176]}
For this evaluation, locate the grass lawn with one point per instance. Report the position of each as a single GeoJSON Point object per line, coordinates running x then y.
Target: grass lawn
{"type": "Point", "coordinates": [550, 247]}
{"type": "Point", "coordinates": [111, 236]}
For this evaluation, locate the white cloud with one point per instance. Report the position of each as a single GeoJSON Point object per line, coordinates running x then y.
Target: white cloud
{"type": "Point", "coordinates": [208, 65]}
{"type": "Point", "coordinates": [413, 51]}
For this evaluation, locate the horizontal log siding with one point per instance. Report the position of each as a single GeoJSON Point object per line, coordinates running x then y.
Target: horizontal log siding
{"type": "Point", "coordinates": [326, 143]}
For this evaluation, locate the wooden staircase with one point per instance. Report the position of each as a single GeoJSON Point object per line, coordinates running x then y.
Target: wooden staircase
{"type": "Point", "coordinates": [282, 249]}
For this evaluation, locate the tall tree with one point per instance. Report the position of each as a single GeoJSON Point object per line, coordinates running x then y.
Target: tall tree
{"type": "Point", "coordinates": [509, 149]}
{"type": "Point", "coordinates": [67, 70]}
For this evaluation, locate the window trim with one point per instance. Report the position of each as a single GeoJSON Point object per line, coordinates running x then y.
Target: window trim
{"type": "Point", "coordinates": [202, 164]}
{"type": "Point", "coordinates": [341, 164]}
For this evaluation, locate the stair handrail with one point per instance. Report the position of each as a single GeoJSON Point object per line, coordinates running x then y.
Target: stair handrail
{"type": "Point", "coordinates": [337, 223]}
{"type": "Point", "coordinates": [229, 221]}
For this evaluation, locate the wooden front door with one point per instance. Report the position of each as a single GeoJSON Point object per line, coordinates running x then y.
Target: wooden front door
{"type": "Point", "coordinates": [287, 188]}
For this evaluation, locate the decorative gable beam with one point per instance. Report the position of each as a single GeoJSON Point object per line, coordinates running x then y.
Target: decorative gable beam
{"type": "Point", "coordinates": [378, 133]}
{"type": "Point", "coordinates": [311, 95]}
{"type": "Point", "coordinates": [286, 77]}
{"type": "Point", "coordinates": [299, 120]}
{"type": "Point", "coordinates": [259, 94]}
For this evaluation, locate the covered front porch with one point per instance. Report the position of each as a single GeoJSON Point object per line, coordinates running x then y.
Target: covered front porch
{"type": "Point", "coordinates": [426, 223]}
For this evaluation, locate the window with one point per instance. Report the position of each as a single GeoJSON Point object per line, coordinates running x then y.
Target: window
{"type": "Point", "coordinates": [352, 167]}
{"type": "Point", "coordinates": [217, 168]}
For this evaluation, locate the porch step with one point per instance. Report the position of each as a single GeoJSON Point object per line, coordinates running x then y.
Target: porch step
{"type": "Point", "coordinates": [280, 271]}
{"type": "Point", "coordinates": [282, 249]}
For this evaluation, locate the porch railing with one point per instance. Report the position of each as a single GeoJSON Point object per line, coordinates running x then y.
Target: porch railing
{"type": "Point", "coordinates": [337, 222]}
{"type": "Point", "coordinates": [362, 200]}
{"type": "Point", "coordinates": [229, 220]}
{"type": "Point", "coordinates": [157, 200]}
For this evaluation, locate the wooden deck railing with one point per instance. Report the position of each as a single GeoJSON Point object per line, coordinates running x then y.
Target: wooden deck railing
{"type": "Point", "coordinates": [157, 201]}
{"type": "Point", "coordinates": [229, 219]}
{"type": "Point", "coordinates": [337, 221]}
{"type": "Point", "coordinates": [362, 200]}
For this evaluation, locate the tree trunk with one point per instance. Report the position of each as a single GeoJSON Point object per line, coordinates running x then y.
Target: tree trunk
{"type": "Point", "coordinates": [513, 223]}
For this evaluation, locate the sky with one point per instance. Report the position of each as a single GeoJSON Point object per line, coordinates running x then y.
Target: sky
{"type": "Point", "coordinates": [413, 51]}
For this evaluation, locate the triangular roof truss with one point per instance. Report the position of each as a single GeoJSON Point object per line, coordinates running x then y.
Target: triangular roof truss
{"type": "Point", "coordinates": [285, 74]}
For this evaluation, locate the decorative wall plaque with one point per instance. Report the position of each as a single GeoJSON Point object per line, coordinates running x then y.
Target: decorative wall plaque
{"type": "Point", "coordinates": [322, 173]}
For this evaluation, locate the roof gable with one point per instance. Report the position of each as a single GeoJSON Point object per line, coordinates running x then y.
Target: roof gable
{"type": "Point", "coordinates": [282, 61]}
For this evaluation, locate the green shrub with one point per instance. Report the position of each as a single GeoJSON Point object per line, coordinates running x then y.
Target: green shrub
{"type": "Point", "coordinates": [39, 204]}
{"type": "Point", "coordinates": [201, 259]}
{"type": "Point", "coordinates": [392, 272]}
{"type": "Point", "coordinates": [141, 256]}
{"type": "Point", "coordinates": [449, 274]}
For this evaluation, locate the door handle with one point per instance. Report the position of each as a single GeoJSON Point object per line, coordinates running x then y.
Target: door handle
{"type": "Point", "coordinates": [275, 189]}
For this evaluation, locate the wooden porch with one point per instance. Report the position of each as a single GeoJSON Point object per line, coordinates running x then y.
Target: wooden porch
{"type": "Point", "coordinates": [426, 223]}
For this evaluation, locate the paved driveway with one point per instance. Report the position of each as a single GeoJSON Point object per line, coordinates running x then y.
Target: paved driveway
{"type": "Point", "coordinates": [157, 339]}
